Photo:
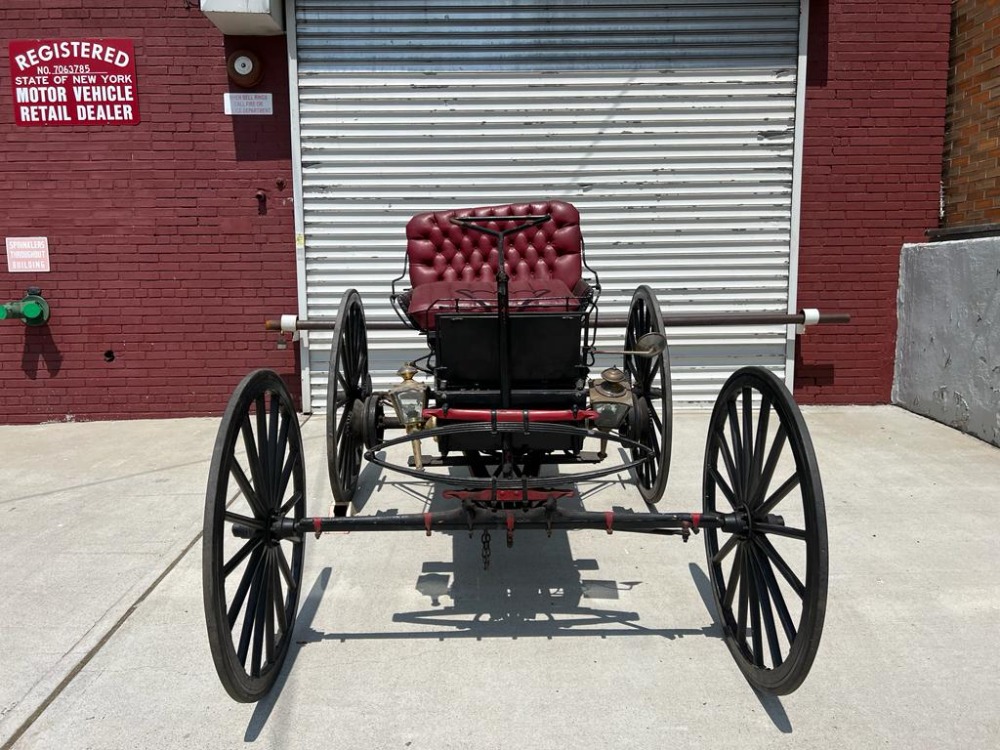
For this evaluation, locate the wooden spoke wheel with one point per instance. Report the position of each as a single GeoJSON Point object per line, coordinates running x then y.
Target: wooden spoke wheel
{"type": "Point", "coordinates": [650, 421]}
{"type": "Point", "coordinates": [348, 388]}
{"type": "Point", "coordinates": [769, 581]}
{"type": "Point", "coordinates": [251, 582]}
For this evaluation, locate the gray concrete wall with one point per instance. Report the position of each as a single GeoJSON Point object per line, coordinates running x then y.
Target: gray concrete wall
{"type": "Point", "coordinates": [948, 341]}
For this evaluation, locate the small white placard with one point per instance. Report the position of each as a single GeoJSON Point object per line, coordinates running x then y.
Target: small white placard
{"type": "Point", "coordinates": [27, 254]}
{"type": "Point", "coordinates": [248, 104]}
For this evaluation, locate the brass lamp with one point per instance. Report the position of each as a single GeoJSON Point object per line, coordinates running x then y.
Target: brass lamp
{"type": "Point", "coordinates": [409, 399]}
{"type": "Point", "coordinates": [610, 398]}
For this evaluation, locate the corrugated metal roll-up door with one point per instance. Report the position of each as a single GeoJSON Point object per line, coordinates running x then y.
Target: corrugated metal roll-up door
{"type": "Point", "coordinates": [669, 125]}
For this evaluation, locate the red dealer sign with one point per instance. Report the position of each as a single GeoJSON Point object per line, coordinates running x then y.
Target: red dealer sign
{"type": "Point", "coordinates": [74, 82]}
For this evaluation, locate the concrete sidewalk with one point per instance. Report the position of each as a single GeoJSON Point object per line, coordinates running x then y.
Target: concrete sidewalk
{"type": "Point", "coordinates": [404, 641]}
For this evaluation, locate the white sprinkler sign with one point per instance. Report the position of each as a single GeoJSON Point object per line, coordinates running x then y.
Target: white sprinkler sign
{"type": "Point", "coordinates": [248, 104]}
{"type": "Point", "coordinates": [27, 254]}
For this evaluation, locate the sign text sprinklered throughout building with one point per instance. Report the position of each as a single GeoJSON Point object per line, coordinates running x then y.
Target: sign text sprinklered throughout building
{"type": "Point", "coordinates": [74, 82]}
{"type": "Point", "coordinates": [27, 254]}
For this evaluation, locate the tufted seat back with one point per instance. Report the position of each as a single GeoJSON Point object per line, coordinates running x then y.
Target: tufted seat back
{"type": "Point", "coordinates": [441, 251]}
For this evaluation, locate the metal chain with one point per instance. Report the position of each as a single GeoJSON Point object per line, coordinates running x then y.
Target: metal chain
{"type": "Point", "coordinates": [486, 549]}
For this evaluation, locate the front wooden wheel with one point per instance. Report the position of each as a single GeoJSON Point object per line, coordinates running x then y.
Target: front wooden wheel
{"type": "Point", "coordinates": [769, 582]}
{"type": "Point", "coordinates": [251, 582]}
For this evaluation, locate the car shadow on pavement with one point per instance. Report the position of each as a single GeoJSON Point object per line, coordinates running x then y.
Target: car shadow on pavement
{"type": "Point", "coordinates": [535, 590]}
{"type": "Point", "coordinates": [303, 625]}
{"type": "Point", "coordinates": [770, 703]}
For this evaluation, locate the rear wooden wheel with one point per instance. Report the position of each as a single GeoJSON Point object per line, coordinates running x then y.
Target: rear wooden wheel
{"type": "Point", "coordinates": [651, 419]}
{"type": "Point", "coordinates": [769, 582]}
{"type": "Point", "coordinates": [348, 388]}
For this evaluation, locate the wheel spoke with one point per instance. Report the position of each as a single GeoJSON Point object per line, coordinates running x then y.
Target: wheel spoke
{"type": "Point", "coordinates": [759, 443]}
{"type": "Point", "coordinates": [734, 579]}
{"type": "Point", "coordinates": [779, 494]}
{"type": "Point", "coordinates": [343, 456]}
{"type": "Point", "coordinates": [263, 602]}
{"type": "Point", "coordinates": [726, 549]}
{"type": "Point", "coordinates": [757, 642]}
{"type": "Point", "coordinates": [253, 460]}
{"type": "Point", "coordinates": [738, 455]}
{"type": "Point", "coordinates": [721, 484]}
{"type": "Point", "coordinates": [273, 458]}
{"type": "Point", "coordinates": [290, 463]}
{"type": "Point", "coordinates": [249, 546]}
{"type": "Point", "coordinates": [741, 617]}
{"type": "Point", "coordinates": [779, 530]}
{"type": "Point", "coordinates": [779, 562]}
{"type": "Point", "coordinates": [765, 609]}
{"type": "Point", "coordinates": [252, 500]}
{"type": "Point", "coordinates": [654, 442]}
{"type": "Point", "coordinates": [249, 574]}
{"type": "Point", "coordinates": [654, 417]}
{"type": "Point", "coordinates": [269, 610]}
{"type": "Point", "coordinates": [291, 503]}
{"type": "Point", "coordinates": [251, 614]}
{"type": "Point", "coordinates": [772, 462]}
{"type": "Point", "coordinates": [777, 598]}
{"type": "Point", "coordinates": [253, 523]}
{"type": "Point", "coordinates": [285, 568]}
{"type": "Point", "coordinates": [263, 453]}
{"type": "Point", "coordinates": [727, 459]}
{"type": "Point", "coordinates": [279, 598]}
{"type": "Point", "coordinates": [350, 361]}
{"type": "Point", "coordinates": [342, 426]}
{"type": "Point", "coordinates": [748, 446]}
{"type": "Point", "coordinates": [279, 449]}
{"type": "Point", "coordinates": [351, 348]}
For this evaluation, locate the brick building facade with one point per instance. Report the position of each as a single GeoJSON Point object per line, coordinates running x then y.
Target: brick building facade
{"type": "Point", "coordinates": [172, 239]}
{"type": "Point", "coordinates": [972, 144]}
{"type": "Point", "coordinates": [163, 261]}
{"type": "Point", "coordinates": [876, 82]}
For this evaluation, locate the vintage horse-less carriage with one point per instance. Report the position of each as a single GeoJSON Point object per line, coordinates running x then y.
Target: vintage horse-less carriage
{"type": "Point", "coordinates": [505, 392]}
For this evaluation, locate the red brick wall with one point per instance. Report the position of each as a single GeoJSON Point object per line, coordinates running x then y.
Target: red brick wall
{"type": "Point", "coordinates": [160, 252]}
{"type": "Point", "coordinates": [972, 143]}
{"type": "Point", "coordinates": [160, 255]}
{"type": "Point", "coordinates": [874, 130]}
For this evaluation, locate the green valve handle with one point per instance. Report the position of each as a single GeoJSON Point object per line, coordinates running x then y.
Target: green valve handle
{"type": "Point", "coordinates": [33, 309]}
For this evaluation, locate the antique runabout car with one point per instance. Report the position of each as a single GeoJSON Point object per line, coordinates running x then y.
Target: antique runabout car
{"type": "Point", "coordinates": [507, 395]}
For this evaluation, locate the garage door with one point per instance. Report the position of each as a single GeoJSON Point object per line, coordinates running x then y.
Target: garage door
{"type": "Point", "coordinates": [670, 125]}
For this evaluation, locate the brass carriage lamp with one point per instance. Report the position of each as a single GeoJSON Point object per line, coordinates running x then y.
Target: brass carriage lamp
{"type": "Point", "coordinates": [409, 399]}
{"type": "Point", "coordinates": [610, 398]}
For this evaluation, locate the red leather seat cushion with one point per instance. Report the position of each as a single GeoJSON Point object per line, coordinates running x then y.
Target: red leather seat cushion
{"type": "Point", "coordinates": [439, 250]}
{"type": "Point", "coordinates": [430, 299]}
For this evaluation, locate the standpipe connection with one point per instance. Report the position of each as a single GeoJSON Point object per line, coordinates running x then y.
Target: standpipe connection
{"type": "Point", "coordinates": [33, 309]}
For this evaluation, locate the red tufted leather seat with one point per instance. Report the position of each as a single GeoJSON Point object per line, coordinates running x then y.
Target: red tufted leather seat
{"type": "Point", "coordinates": [453, 268]}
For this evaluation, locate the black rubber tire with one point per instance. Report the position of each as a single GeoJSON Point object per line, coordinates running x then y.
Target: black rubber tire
{"type": "Point", "coordinates": [348, 386]}
{"type": "Point", "coordinates": [260, 423]}
{"type": "Point", "coordinates": [651, 419]}
{"type": "Point", "coordinates": [777, 571]}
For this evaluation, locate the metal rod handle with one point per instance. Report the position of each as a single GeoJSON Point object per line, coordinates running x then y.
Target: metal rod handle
{"type": "Point", "coordinates": [674, 320]}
